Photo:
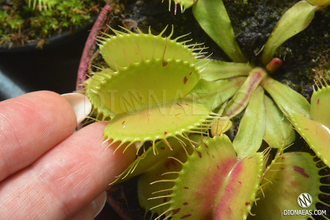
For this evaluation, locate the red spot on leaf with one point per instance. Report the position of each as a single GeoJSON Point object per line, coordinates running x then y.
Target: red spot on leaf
{"type": "Point", "coordinates": [178, 114]}
{"type": "Point", "coordinates": [218, 167]}
{"type": "Point", "coordinates": [191, 72]}
{"type": "Point", "coordinates": [162, 148]}
{"type": "Point", "coordinates": [185, 203]}
{"type": "Point", "coordinates": [206, 145]}
{"type": "Point", "coordinates": [318, 101]}
{"type": "Point", "coordinates": [185, 80]}
{"type": "Point", "coordinates": [283, 158]}
{"type": "Point", "coordinates": [179, 104]}
{"type": "Point", "coordinates": [165, 133]}
{"type": "Point", "coordinates": [185, 216]}
{"type": "Point", "coordinates": [123, 122]}
{"type": "Point", "coordinates": [306, 129]}
{"type": "Point", "coordinates": [175, 211]}
{"type": "Point", "coordinates": [199, 153]}
{"type": "Point", "coordinates": [240, 182]}
{"type": "Point", "coordinates": [170, 164]}
{"type": "Point", "coordinates": [165, 63]}
{"type": "Point", "coordinates": [294, 184]}
{"type": "Point", "coordinates": [247, 203]}
{"type": "Point", "coordinates": [301, 171]}
{"type": "Point", "coordinates": [186, 187]}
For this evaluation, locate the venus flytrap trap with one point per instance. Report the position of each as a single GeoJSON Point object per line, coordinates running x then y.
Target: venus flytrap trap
{"type": "Point", "coordinates": [316, 128]}
{"type": "Point", "coordinates": [225, 189]}
{"type": "Point", "coordinates": [148, 78]}
{"type": "Point", "coordinates": [289, 175]}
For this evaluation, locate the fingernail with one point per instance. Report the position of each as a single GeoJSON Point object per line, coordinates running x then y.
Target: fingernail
{"type": "Point", "coordinates": [99, 203]}
{"type": "Point", "coordinates": [80, 104]}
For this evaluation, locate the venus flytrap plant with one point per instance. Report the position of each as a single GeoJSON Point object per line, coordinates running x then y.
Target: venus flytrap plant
{"type": "Point", "coordinates": [193, 175]}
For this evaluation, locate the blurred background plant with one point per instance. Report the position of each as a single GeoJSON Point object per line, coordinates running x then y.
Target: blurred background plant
{"type": "Point", "coordinates": [26, 21]}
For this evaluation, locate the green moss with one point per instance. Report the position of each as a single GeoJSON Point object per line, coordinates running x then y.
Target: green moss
{"type": "Point", "coordinates": [25, 24]}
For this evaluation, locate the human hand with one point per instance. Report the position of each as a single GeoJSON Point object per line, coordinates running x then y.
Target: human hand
{"type": "Point", "coordinates": [46, 171]}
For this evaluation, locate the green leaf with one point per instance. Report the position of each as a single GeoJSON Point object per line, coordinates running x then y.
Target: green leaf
{"type": "Point", "coordinates": [285, 97]}
{"type": "Point", "coordinates": [212, 94]}
{"type": "Point", "coordinates": [289, 176]}
{"type": "Point", "coordinates": [320, 105]}
{"type": "Point", "coordinates": [242, 96]}
{"type": "Point", "coordinates": [321, 3]}
{"type": "Point", "coordinates": [213, 18]}
{"type": "Point", "coordinates": [315, 134]}
{"type": "Point", "coordinates": [221, 126]}
{"type": "Point", "coordinates": [279, 131]}
{"type": "Point", "coordinates": [291, 23]}
{"type": "Point", "coordinates": [216, 69]}
{"type": "Point", "coordinates": [252, 126]}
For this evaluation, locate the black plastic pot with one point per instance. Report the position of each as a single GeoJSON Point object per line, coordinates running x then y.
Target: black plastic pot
{"type": "Point", "coordinates": [26, 69]}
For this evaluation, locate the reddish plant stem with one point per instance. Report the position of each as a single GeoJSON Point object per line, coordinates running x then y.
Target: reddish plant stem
{"type": "Point", "coordinates": [87, 53]}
